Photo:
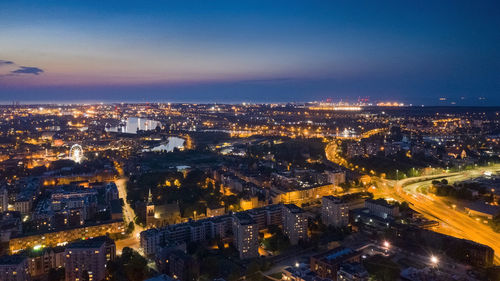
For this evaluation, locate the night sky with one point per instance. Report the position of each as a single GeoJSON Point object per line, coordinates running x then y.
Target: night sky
{"type": "Point", "coordinates": [254, 51]}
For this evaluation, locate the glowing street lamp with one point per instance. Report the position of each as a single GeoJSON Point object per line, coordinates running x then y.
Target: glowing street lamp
{"type": "Point", "coordinates": [386, 244]}
{"type": "Point", "coordinates": [434, 260]}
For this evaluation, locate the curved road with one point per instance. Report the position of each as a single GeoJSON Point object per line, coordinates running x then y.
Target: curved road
{"type": "Point", "coordinates": [453, 222]}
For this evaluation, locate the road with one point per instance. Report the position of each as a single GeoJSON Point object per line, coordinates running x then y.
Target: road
{"type": "Point", "coordinates": [453, 222]}
{"type": "Point", "coordinates": [128, 215]}
{"type": "Point", "coordinates": [331, 152]}
{"type": "Point", "coordinates": [332, 148]}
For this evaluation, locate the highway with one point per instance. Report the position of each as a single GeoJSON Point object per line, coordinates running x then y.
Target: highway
{"type": "Point", "coordinates": [453, 222]}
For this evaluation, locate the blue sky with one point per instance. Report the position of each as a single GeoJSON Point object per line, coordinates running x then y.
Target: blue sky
{"type": "Point", "coordinates": [230, 51]}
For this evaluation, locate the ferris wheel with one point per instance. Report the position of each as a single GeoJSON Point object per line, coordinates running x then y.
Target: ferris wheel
{"type": "Point", "coordinates": [76, 153]}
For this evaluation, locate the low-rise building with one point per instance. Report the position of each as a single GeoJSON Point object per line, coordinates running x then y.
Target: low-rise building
{"type": "Point", "coordinates": [215, 211]}
{"type": "Point", "coordinates": [352, 272]}
{"type": "Point", "coordinates": [326, 265]}
{"type": "Point", "coordinates": [381, 208]}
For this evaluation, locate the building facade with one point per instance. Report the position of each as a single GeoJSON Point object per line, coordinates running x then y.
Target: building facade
{"type": "Point", "coordinates": [294, 223]}
{"type": "Point", "coordinates": [14, 268]}
{"type": "Point", "coordinates": [381, 208]}
{"type": "Point", "coordinates": [86, 259]}
{"type": "Point", "coordinates": [4, 200]}
{"type": "Point", "coordinates": [334, 211]}
{"type": "Point", "coordinates": [245, 236]}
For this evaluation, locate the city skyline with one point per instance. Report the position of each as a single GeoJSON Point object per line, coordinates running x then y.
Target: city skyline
{"type": "Point", "coordinates": [283, 140]}
{"type": "Point", "coordinates": [228, 52]}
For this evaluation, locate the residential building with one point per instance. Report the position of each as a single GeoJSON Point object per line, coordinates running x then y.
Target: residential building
{"type": "Point", "coordinates": [326, 265]}
{"type": "Point", "coordinates": [246, 236]}
{"type": "Point", "coordinates": [352, 272]}
{"type": "Point", "coordinates": [381, 208]}
{"type": "Point", "coordinates": [14, 268]}
{"type": "Point", "coordinates": [294, 223]}
{"type": "Point", "coordinates": [86, 259]}
{"type": "Point", "coordinates": [334, 211]}
{"type": "Point", "coordinates": [4, 199]}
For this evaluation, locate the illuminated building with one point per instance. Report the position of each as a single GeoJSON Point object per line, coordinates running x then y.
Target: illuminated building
{"type": "Point", "coordinates": [246, 236]}
{"type": "Point", "coordinates": [4, 200]}
{"type": "Point", "coordinates": [216, 211]}
{"type": "Point", "coordinates": [86, 259]}
{"type": "Point", "coordinates": [53, 238]}
{"type": "Point", "coordinates": [294, 223]}
{"type": "Point", "coordinates": [150, 210]}
{"type": "Point", "coordinates": [381, 208]}
{"type": "Point", "coordinates": [335, 177]}
{"type": "Point", "coordinates": [41, 261]}
{"type": "Point", "coordinates": [334, 211]}
{"type": "Point", "coordinates": [301, 195]}
{"type": "Point", "coordinates": [14, 268]}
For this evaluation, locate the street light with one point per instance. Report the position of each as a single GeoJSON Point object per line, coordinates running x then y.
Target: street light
{"type": "Point", "coordinates": [386, 244]}
{"type": "Point", "coordinates": [434, 260]}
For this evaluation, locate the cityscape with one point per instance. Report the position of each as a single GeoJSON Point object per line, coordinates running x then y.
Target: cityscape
{"type": "Point", "coordinates": [236, 150]}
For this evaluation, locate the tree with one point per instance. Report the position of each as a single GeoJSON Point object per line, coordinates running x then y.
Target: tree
{"type": "Point", "coordinates": [129, 266]}
{"type": "Point", "coordinates": [130, 227]}
{"type": "Point", "coordinates": [382, 268]}
{"type": "Point", "coordinates": [253, 268]}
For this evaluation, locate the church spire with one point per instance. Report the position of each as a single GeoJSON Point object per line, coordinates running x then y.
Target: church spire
{"type": "Point", "coordinates": [150, 197]}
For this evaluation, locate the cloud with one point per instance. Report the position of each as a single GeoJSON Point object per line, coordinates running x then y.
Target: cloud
{"type": "Point", "coordinates": [18, 69]}
{"type": "Point", "coordinates": [6, 62]}
{"type": "Point", "coordinates": [27, 70]}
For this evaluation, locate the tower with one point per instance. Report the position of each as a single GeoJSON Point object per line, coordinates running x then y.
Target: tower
{"type": "Point", "coordinates": [150, 210]}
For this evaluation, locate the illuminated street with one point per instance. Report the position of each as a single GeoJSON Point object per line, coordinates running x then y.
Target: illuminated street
{"type": "Point", "coordinates": [129, 216]}
{"type": "Point", "coordinates": [453, 222]}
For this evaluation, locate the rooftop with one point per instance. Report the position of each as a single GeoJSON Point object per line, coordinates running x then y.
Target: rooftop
{"type": "Point", "coordinates": [336, 255]}
{"type": "Point", "coordinates": [380, 202]}
{"type": "Point", "coordinates": [244, 218]}
{"type": "Point", "coordinates": [89, 243]}
{"type": "Point", "coordinates": [294, 208]}
{"type": "Point", "coordinates": [11, 260]}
